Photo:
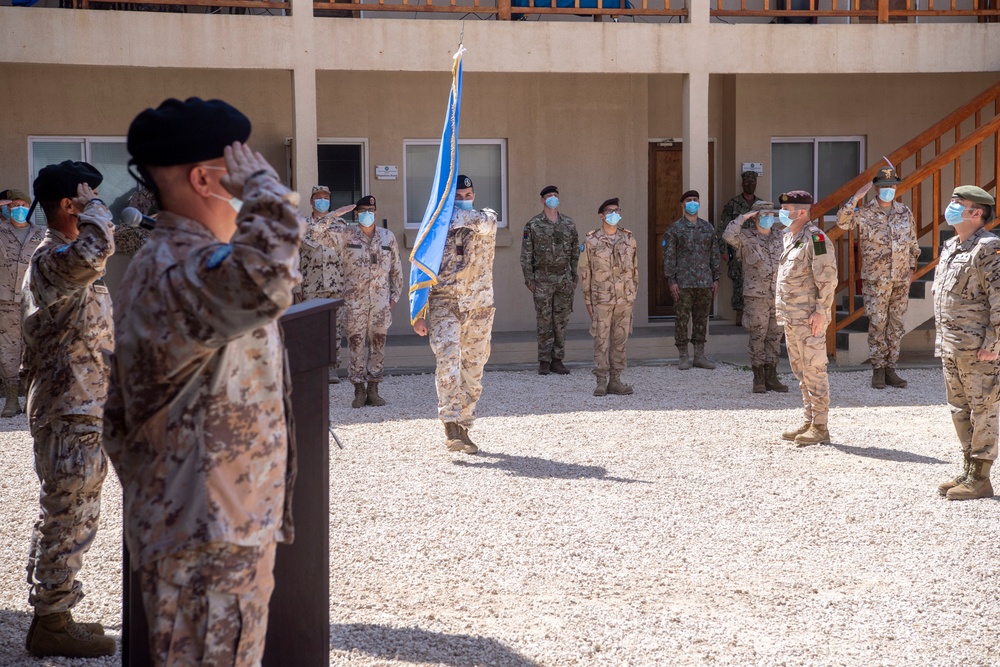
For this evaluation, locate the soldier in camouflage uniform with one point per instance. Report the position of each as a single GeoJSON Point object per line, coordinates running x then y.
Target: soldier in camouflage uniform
{"type": "Point", "coordinates": [691, 265]}
{"type": "Point", "coordinates": [737, 206]}
{"type": "Point", "coordinates": [967, 318]}
{"type": "Point", "coordinates": [128, 239]}
{"type": "Point", "coordinates": [807, 280]}
{"type": "Point", "coordinates": [368, 258]}
{"type": "Point", "coordinates": [887, 235]}
{"type": "Point", "coordinates": [460, 316]}
{"type": "Point", "coordinates": [550, 251]}
{"type": "Point", "coordinates": [609, 278]}
{"type": "Point", "coordinates": [67, 329]}
{"type": "Point", "coordinates": [18, 240]}
{"type": "Point", "coordinates": [198, 407]}
{"type": "Point", "coordinates": [758, 249]}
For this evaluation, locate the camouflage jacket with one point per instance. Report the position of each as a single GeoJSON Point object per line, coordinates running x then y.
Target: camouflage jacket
{"type": "Point", "coordinates": [690, 254]}
{"type": "Point", "coordinates": [967, 295]}
{"type": "Point", "coordinates": [889, 248]}
{"type": "Point", "coordinates": [128, 240]}
{"type": "Point", "coordinates": [734, 208]}
{"type": "Point", "coordinates": [14, 260]}
{"type": "Point", "coordinates": [466, 273]}
{"type": "Point", "coordinates": [549, 250]}
{"type": "Point", "coordinates": [807, 276]}
{"type": "Point", "coordinates": [320, 271]}
{"type": "Point", "coordinates": [369, 267]}
{"type": "Point", "coordinates": [197, 415]}
{"type": "Point", "coordinates": [759, 254]}
{"type": "Point", "coordinates": [609, 269]}
{"type": "Point", "coordinates": [66, 321]}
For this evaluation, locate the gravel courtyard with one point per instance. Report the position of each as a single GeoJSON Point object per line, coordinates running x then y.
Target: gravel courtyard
{"type": "Point", "coordinates": [672, 527]}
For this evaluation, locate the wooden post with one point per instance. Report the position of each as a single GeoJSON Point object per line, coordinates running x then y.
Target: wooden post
{"type": "Point", "coordinates": [503, 10]}
{"type": "Point", "coordinates": [883, 11]}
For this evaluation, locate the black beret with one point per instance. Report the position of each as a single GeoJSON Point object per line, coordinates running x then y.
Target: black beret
{"type": "Point", "coordinates": [547, 189]}
{"type": "Point", "coordinates": [185, 132]}
{"type": "Point", "coordinates": [464, 182]}
{"type": "Point", "coordinates": [61, 180]}
{"type": "Point", "coordinates": [367, 200]}
{"type": "Point", "coordinates": [690, 193]}
{"type": "Point", "coordinates": [796, 197]}
{"type": "Point", "coordinates": [607, 203]}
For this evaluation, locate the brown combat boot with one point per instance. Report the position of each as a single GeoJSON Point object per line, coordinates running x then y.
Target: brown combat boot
{"type": "Point", "coordinates": [946, 485]}
{"type": "Point", "coordinates": [683, 361]}
{"type": "Point", "coordinates": [617, 387]}
{"type": "Point", "coordinates": [700, 360]}
{"type": "Point", "coordinates": [544, 367]}
{"type": "Point", "coordinates": [454, 441]}
{"type": "Point", "coordinates": [894, 380]}
{"type": "Point", "coordinates": [758, 380]}
{"type": "Point", "coordinates": [816, 434]}
{"type": "Point", "coordinates": [59, 635]}
{"type": "Point", "coordinates": [794, 433]}
{"type": "Point", "coordinates": [373, 398]}
{"type": "Point", "coordinates": [13, 405]}
{"type": "Point", "coordinates": [93, 628]}
{"type": "Point", "coordinates": [976, 485]}
{"type": "Point", "coordinates": [334, 378]}
{"type": "Point", "coordinates": [878, 378]}
{"type": "Point", "coordinates": [360, 395]}
{"type": "Point", "coordinates": [771, 381]}
{"type": "Point", "coordinates": [602, 386]}
{"type": "Point", "coordinates": [463, 434]}
{"type": "Point", "coordinates": [558, 367]}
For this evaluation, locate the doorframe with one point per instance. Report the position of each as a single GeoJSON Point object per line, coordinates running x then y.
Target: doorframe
{"type": "Point", "coordinates": [349, 141]}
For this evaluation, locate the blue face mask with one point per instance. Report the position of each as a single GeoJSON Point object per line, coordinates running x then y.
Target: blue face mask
{"type": "Point", "coordinates": [953, 214]}
{"type": "Point", "coordinates": [552, 202]}
{"type": "Point", "coordinates": [887, 194]}
{"type": "Point", "coordinates": [691, 207]}
{"type": "Point", "coordinates": [613, 218]}
{"type": "Point", "coordinates": [19, 214]}
{"type": "Point", "coordinates": [783, 218]}
{"type": "Point", "coordinates": [464, 204]}
{"type": "Point", "coordinates": [366, 218]}
{"type": "Point", "coordinates": [322, 205]}
{"type": "Point", "coordinates": [766, 221]}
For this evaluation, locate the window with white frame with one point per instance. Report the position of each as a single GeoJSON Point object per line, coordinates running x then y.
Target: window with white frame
{"type": "Point", "coordinates": [482, 160]}
{"type": "Point", "coordinates": [108, 154]}
{"type": "Point", "coordinates": [819, 165]}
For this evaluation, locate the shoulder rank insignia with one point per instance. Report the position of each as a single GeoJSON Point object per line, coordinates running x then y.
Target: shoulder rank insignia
{"type": "Point", "coordinates": [819, 244]}
{"type": "Point", "coordinates": [218, 255]}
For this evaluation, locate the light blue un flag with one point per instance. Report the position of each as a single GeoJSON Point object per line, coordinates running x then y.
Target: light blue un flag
{"type": "Point", "coordinates": [425, 260]}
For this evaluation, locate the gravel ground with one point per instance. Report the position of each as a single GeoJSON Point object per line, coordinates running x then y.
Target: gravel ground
{"type": "Point", "coordinates": [672, 527]}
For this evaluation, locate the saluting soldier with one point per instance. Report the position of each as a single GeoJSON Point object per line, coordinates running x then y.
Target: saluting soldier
{"type": "Point", "coordinates": [737, 206]}
{"type": "Point", "coordinates": [550, 251]}
{"type": "Point", "coordinates": [967, 318]}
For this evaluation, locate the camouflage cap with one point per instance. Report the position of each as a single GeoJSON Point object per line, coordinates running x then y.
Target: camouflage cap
{"type": "Point", "coordinates": [973, 193]}
{"type": "Point", "coordinates": [14, 195]}
{"type": "Point", "coordinates": [320, 188]}
{"type": "Point", "coordinates": [762, 206]}
{"type": "Point", "coordinates": [749, 175]}
{"type": "Point", "coordinates": [886, 176]}
{"type": "Point", "coordinates": [796, 197]}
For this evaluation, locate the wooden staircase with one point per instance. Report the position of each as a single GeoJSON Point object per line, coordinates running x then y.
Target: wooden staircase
{"type": "Point", "coordinates": [962, 148]}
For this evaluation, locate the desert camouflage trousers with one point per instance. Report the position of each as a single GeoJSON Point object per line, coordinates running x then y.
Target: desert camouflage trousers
{"type": "Point", "coordinates": [208, 605]}
{"type": "Point", "coordinates": [807, 356]}
{"type": "Point", "coordinates": [367, 326]}
{"type": "Point", "coordinates": [460, 341]}
{"type": "Point", "coordinates": [693, 305]}
{"type": "Point", "coordinates": [341, 319]}
{"type": "Point", "coordinates": [10, 342]}
{"type": "Point", "coordinates": [610, 327]}
{"type": "Point", "coordinates": [885, 305]}
{"type": "Point", "coordinates": [973, 391]}
{"type": "Point", "coordinates": [71, 466]}
{"type": "Point", "coordinates": [553, 306]}
{"type": "Point", "coordinates": [764, 330]}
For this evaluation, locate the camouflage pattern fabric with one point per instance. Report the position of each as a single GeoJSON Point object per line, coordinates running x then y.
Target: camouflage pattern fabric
{"type": "Point", "coordinates": [760, 255]}
{"type": "Point", "coordinates": [550, 253]}
{"type": "Point", "coordinates": [734, 208]}
{"type": "Point", "coordinates": [209, 605]}
{"type": "Point", "coordinates": [14, 259]}
{"type": "Point", "coordinates": [466, 273]}
{"type": "Point", "coordinates": [967, 295]}
{"type": "Point", "coordinates": [609, 278]}
{"type": "Point", "coordinates": [10, 343]}
{"type": "Point", "coordinates": [321, 277]}
{"type": "Point", "coordinates": [692, 307]}
{"type": "Point", "coordinates": [888, 241]}
{"type": "Point", "coordinates": [128, 240]}
{"type": "Point", "coordinates": [885, 305]}
{"type": "Point", "coordinates": [807, 356]}
{"type": "Point", "coordinates": [71, 467]}
{"type": "Point", "coordinates": [690, 254]}
{"type": "Point", "coordinates": [973, 391]}
{"type": "Point", "coordinates": [553, 306]}
{"type": "Point", "coordinates": [807, 276]}
{"type": "Point", "coordinates": [610, 328]}
{"type": "Point", "coordinates": [196, 422]}
{"type": "Point", "coordinates": [144, 200]}
{"type": "Point", "coordinates": [762, 326]}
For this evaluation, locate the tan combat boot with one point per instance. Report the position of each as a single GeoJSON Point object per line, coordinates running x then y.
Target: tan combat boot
{"type": "Point", "coordinates": [894, 380]}
{"type": "Point", "coordinates": [59, 635]}
{"type": "Point", "coordinates": [878, 378]}
{"type": "Point", "coordinates": [976, 485]}
{"type": "Point", "coordinates": [373, 397]}
{"type": "Point", "coordinates": [794, 433]}
{"type": "Point", "coordinates": [93, 628]}
{"type": "Point", "coordinates": [13, 404]}
{"type": "Point", "coordinates": [946, 485]}
{"type": "Point", "coordinates": [617, 387]}
{"type": "Point", "coordinates": [463, 434]}
{"type": "Point", "coordinates": [816, 434]}
{"type": "Point", "coordinates": [454, 441]}
{"type": "Point", "coordinates": [683, 361]}
{"type": "Point", "coordinates": [334, 378]}
{"type": "Point", "coordinates": [544, 367]}
{"type": "Point", "coordinates": [602, 386]}
{"type": "Point", "coordinates": [758, 380]}
{"type": "Point", "coordinates": [700, 360]}
{"type": "Point", "coordinates": [360, 395]}
{"type": "Point", "coordinates": [771, 381]}
{"type": "Point", "coordinates": [558, 367]}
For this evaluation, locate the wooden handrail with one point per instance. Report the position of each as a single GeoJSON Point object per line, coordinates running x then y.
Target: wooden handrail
{"type": "Point", "coordinates": [882, 12]}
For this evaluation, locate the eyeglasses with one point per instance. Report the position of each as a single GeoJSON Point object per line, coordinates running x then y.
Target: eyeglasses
{"type": "Point", "coordinates": [609, 211]}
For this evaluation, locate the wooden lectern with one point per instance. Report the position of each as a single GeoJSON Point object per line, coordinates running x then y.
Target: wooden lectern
{"type": "Point", "coordinates": [298, 631]}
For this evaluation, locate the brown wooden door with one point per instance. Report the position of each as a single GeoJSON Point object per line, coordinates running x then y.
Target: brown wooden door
{"type": "Point", "coordinates": [666, 185]}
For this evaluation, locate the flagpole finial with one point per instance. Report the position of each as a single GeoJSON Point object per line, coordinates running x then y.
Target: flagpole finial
{"type": "Point", "coordinates": [461, 35]}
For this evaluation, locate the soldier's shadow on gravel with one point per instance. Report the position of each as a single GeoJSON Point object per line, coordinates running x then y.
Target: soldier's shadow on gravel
{"type": "Point", "coordinates": [900, 456]}
{"type": "Point", "coordinates": [418, 645]}
{"type": "Point", "coordinates": [539, 468]}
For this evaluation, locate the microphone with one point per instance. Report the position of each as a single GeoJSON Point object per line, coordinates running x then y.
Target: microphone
{"type": "Point", "coordinates": [133, 217]}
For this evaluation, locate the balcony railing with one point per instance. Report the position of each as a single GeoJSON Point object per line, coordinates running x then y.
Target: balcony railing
{"type": "Point", "coordinates": [505, 10]}
{"type": "Point", "coordinates": [863, 11]}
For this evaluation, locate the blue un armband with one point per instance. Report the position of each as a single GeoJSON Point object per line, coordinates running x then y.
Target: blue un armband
{"type": "Point", "coordinates": [218, 256]}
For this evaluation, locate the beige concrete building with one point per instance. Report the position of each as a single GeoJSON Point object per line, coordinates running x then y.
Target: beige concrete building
{"type": "Point", "coordinates": [600, 108]}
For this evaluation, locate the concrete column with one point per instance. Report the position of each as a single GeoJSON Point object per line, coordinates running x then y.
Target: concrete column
{"type": "Point", "coordinates": [305, 133]}
{"type": "Point", "coordinates": [696, 132]}
{"type": "Point", "coordinates": [698, 12]}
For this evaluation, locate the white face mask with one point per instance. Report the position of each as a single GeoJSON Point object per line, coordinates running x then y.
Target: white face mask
{"type": "Point", "coordinates": [235, 202]}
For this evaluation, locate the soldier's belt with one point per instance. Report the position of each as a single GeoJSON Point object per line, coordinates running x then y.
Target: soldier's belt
{"type": "Point", "coordinates": [550, 271]}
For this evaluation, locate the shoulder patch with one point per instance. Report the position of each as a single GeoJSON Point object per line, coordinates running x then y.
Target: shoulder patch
{"type": "Point", "coordinates": [663, 243]}
{"type": "Point", "coordinates": [218, 256]}
{"type": "Point", "coordinates": [526, 234]}
{"type": "Point", "coordinates": [583, 246]}
{"type": "Point", "coordinates": [819, 244]}
{"type": "Point", "coordinates": [63, 248]}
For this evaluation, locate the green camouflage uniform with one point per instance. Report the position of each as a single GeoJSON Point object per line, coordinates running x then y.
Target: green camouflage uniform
{"type": "Point", "coordinates": [736, 207]}
{"type": "Point", "coordinates": [691, 261]}
{"type": "Point", "coordinates": [550, 252]}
